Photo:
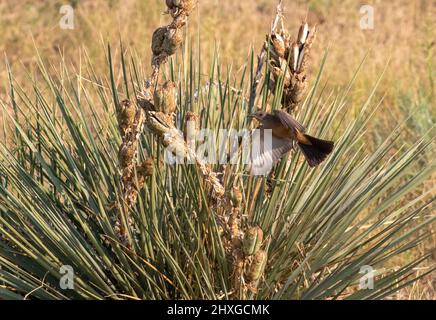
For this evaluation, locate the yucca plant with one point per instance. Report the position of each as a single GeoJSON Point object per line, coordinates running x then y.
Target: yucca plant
{"type": "Point", "coordinates": [63, 195]}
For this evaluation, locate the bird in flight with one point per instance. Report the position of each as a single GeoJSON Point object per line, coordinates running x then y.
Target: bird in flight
{"type": "Point", "coordinates": [285, 131]}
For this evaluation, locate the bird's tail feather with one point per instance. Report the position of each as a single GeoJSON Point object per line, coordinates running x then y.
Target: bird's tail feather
{"type": "Point", "coordinates": [315, 150]}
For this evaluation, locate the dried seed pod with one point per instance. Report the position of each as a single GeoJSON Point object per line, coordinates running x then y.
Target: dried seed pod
{"type": "Point", "coordinates": [236, 197]}
{"type": "Point", "coordinates": [303, 33]}
{"type": "Point", "coordinates": [126, 154]}
{"type": "Point", "coordinates": [299, 89]}
{"type": "Point", "coordinates": [277, 72]}
{"type": "Point", "coordinates": [238, 265]}
{"type": "Point", "coordinates": [139, 122]}
{"type": "Point", "coordinates": [278, 44]}
{"type": "Point", "coordinates": [165, 97]}
{"type": "Point", "coordinates": [128, 111]}
{"type": "Point", "coordinates": [186, 5]}
{"type": "Point", "coordinates": [159, 122]}
{"type": "Point", "coordinates": [294, 58]}
{"type": "Point", "coordinates": [157, 40]}
{"type": "Point", "coordinates": [256, 267]}
{"type": "Point", "coordinates": [294, 94]}
{"type": "Point", "coordinates": [191, 127]}
{"type": "Point", "coordinates": [125, 115]}
{"type": "Point", "coordinates": [146, 168]}
{"type": "Point", "coordinates": [285, 35]}
{"type": "Point", "coordinates": [287, 78]}
{"type": "Point", "coordinates": [252, 240]}
{"type": "Point", "coordinates": [270, 48]}
{"type": "Point", "coordinates": [300, 59]}
{"type": "Point", "coordinates": [145, 98]}
{"type": "Point", "coordinates": [172, 40]}
{"type": "Point", "coordinates": [307, 47]}
{"type": "Point", "coordinates": [234, 221]}
{"type": "Point", "coordinates": [173, 3]}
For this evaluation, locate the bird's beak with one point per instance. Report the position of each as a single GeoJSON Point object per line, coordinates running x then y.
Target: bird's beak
{"type": "Point", "coordinates": [250, 116]}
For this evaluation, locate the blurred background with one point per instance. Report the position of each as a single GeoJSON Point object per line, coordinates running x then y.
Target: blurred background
{"type": "Point", "coordinates": [402, 40]}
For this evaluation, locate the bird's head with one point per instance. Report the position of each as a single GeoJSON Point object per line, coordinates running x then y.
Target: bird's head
{"type": "Point", "coordinates": [258, 115]}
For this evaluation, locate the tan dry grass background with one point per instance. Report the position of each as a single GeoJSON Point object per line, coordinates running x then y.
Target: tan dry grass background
{"type": "Point", "coordinates": [404, 33]}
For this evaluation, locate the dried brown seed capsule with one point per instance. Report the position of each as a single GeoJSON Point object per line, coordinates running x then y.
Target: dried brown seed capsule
{"type": "Point", "coordinates": [294, 95]}
{"type": "Point", "coordinates": [238, 263]}
{"type": "Point", "coordinates": [287, 79]}
{"type": "Point", "coordinates": [139, 120]}
{"type": "Point", "coordinates": [300, 59]}
{"type": "Point", "coordinates": [303, 33]}
{"type": "Point", "coordinates": [125, 115]}
{"type": "Point", "coordinates": [294, 58]}
{"type": "Point", "coordinates": [255, 269]}
{"type": "Point", "coordinates": [176, 4]}
{"type": "Point", "coordinates": [278, 44]}
{"type": "Point", "coordinates": [160, 122]}
{"type": "Point", "coordinates": [277, 72]}
{"type": "Point", "coordinates": [173, 39]}
{"type": "Point", "coordinates": [252, 240]}
{"type": "Point", "coordinates": [158, 40]}
{"type": "Point", "coordinates": [234, 226]}
{"type": "Point", "coordinates": [186, 5]}
{"type": "Point", "coordinates": [172, 3]}
{"type": "Point", "coordinates": [165, 97]}
{"type": "Point", "coordinates": [272, 52]}
{"type": "Point", "coordinates": [145, 98]}
{"type": "Point", "coordinates": [146, 168]}
{"type": "Point", "coordinates": [236, 197]}
{"type": "Point", "coordinates": [286, 36]}
{"type": "Point", "coordinates": [126, 154]}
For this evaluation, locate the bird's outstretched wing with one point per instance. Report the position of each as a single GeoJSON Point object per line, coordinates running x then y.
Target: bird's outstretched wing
{"type": "Point", "coordinates": [264, 157]}
{"type": "Point", "coordinates": [288, 121]}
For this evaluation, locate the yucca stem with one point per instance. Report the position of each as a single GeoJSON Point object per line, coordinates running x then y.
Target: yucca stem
{"type": "Point", "coordinates": [261, 59]}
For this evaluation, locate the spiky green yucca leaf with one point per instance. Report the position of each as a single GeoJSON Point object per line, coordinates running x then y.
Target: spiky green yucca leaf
{"type": "Point", "coordinates": [60, 185]}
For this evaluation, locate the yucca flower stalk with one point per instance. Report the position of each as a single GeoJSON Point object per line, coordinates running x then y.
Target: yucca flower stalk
{"type": "Point", "coordinates": [315, 228]}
